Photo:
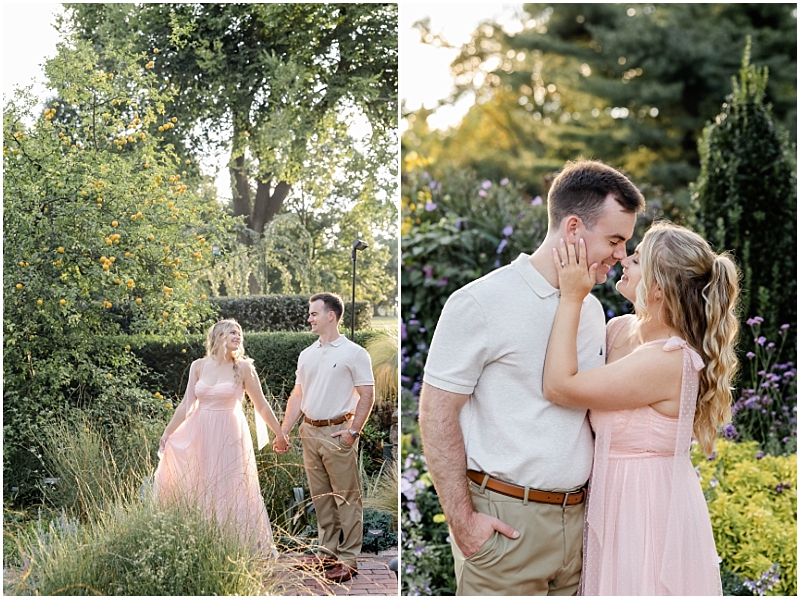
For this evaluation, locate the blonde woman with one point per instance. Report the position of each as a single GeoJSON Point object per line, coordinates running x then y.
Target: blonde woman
{"type": "Point", "coordinates": [667, 376]}
{"type": "Point", "coordinates": [207, 456]}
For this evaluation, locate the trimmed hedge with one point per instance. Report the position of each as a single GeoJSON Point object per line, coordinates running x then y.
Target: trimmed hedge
{"type": "Point", "coordinates": [275, 355]}
{"type": "Point", "coordinates": [261, 313]}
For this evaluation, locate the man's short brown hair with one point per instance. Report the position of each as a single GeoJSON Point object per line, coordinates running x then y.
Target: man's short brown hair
{"type": "Point", "coordinates": [333, 303]}
{"type": "Point", "coordinates": [581, 189]}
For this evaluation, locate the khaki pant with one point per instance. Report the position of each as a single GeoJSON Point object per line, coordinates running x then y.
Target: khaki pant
{"type": "Point", "coordinates": [544, 560]}
{"type": "Point", "coordinates": [332, 471]}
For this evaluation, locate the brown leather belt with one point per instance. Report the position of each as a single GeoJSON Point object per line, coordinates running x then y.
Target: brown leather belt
{"type": "Point", "coordinates": [504, 488]}
{"type": "Point", "coordinates": [338, 420]}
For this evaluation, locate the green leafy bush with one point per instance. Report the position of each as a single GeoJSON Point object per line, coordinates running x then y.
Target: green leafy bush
{"type": "Point", "coordinates": [275, 355]}
{"type": "Point", "coordinates": [384, 535]}
{"type": "Point", "coordinates": [260, 313]}
{"type": "Point", "coordinates": [745, 199]}
{"type": "Point", "coordinates": [103, 229]}
{"type": "Point", "coordinates": [752, 501]}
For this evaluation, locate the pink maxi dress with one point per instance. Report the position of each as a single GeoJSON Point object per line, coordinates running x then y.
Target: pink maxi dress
{"type": "Point", "coordinates": [647, 529]}
{"type": "Point", "coordinates": [209, 461]}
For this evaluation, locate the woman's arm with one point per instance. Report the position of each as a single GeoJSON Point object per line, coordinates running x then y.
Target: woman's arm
{"type": "Point", "coordinates": [253, 387]}
{"type": "Point", "coordinates": [180, 412]}
{"type": "Point", "coordinates": [647, 376]}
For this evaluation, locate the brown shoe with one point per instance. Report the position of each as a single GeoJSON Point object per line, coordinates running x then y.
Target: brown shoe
{"type": "Point", "coordinates": [341, 572]}
{"type": "Point", "coordinates": [315, 561]}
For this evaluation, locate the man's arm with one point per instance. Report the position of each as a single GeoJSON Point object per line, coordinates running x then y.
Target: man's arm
{"type": "Point", "coordinates": [292, 412]}
{"type": "Point", "coordinates": [447, 462]}
{"type": "Point", "coordinates": [366, 398]}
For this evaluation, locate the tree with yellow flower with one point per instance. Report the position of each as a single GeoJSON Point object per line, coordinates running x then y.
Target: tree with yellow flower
{"type": "Point", "coordinates": [77, 268]}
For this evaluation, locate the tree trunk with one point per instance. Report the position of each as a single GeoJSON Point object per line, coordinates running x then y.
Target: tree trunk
{"type": "Point", "coordinates": [242, 205]}
{"type": "Point", "coordinates": [268, 204]}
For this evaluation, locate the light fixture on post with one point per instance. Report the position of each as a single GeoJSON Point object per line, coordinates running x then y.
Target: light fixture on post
{"type": "Point", "coordinates": [358, 246]}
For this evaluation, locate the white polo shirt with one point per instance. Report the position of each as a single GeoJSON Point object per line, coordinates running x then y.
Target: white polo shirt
{"type": "Point", "coordinates": [490, 343]}
{"type": "Point", "coordinates": [328, 375]}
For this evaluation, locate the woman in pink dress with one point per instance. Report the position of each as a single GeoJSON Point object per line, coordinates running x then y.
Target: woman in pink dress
{"type": "Point", "coordinates": [667, 376]}
{"type": "Point", "coordinates": [207, 457]}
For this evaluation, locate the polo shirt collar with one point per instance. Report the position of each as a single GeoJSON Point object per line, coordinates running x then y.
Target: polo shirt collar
{"type": "Point", "coordinates": [335, 343]}
{"type": "Point", "coordinates": [533, 277]}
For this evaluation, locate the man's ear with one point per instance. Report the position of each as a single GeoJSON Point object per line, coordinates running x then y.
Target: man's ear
{"type": "Point", "coordinates": [573, 226]}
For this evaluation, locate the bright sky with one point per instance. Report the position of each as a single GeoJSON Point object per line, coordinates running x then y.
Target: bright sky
{"type": "Point", "coordinates": [425, 70]}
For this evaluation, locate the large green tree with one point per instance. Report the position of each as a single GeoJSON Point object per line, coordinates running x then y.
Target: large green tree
{"type": "Point", "coordinates": [103, 231]}
{"type": "Point", "coordinates": [631, 84]}
{"type": "Point", "coordinates": [271, 82]}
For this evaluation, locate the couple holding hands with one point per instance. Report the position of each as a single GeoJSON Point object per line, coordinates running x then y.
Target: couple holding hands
{"type": "Point", "coordinates": [207, 457]}
{"type": "Point", "coordinates": [541, 496]}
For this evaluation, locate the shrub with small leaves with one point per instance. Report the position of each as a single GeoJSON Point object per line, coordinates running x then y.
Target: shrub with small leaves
{"type": "Point", "coordinates": [752, 501]}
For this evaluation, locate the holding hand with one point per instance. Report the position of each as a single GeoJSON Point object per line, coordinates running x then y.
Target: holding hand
{"type": "Point", "coordinates": [281, 443]}
{"type": "Point", "coordinates": [162, 444]}
{"type": "Point", "coordinates": [574, 280]}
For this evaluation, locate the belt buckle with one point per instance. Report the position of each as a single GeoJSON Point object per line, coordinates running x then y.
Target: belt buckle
{"type": "Point", "coordinates": [566, 496]}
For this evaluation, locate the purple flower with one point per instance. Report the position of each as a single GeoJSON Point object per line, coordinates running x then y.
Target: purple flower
{"type": "Point", "coordinates": [755, 320]}
{"type": "Point", "coordinates": [713, 456]}
{"type": "Point", "coordinates": [442, 282]}
{"type": "Point", "coordinates": [610, 313]}
{"type": "Point", "coordinates": [750, 355]}
{"type": "Point", "coordinates": [504, 181]}
{"type": "Point", "coordinates": [785, 326]}
{"type": "Point", "coordinates": [435, 186]}
{"type": "Point", "coordinates": [759, 455]}
{"type": "Point", "coordinates": [457, 224]}
{"type": "Point", "coordinates": [502, 246]}
{"type": "Point", "coordinates": [430, 207]}
{"type": "Point", "coordinates": [403, 331]}
{"type": "Point", "coordinates": [486, 184]}
{"type": "Point", "coordinates": [508, 230]}
{"type": "Point", "coordinates": [761, 340]}
{"type": "Point", "coordinates": [612, 272]}
{"type": "Point", "coordinates": [428, 270]}
{"type": "Point", "coordinates": [482, 193]}
{"type": "Point", "coordinates": [537, 201]}
{"type": "Point", "coordinates": [730, 432]}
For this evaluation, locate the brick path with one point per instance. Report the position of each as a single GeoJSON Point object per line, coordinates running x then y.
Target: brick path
{"type": "Point", "coordinates": [374, 579]}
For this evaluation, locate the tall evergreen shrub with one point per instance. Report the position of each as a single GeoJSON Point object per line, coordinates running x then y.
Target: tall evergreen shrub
{"type": "Point", "coordinates": [744, 200]}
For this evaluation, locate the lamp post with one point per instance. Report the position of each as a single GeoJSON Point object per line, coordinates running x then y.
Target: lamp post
{"type": "Point", "coordinates": [358, 246]}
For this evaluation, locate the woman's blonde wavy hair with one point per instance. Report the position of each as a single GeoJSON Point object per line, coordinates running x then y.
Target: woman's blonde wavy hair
{"type": "Point", "coordinates": [700, 292]}
{"type": "Point", "coordinates": [215, 344]}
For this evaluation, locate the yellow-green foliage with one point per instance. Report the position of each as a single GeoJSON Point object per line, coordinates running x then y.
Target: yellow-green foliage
{"type": "Point", "coordinates": [753, 508]}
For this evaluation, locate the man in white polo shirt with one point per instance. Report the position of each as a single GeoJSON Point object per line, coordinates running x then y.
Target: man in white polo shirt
{"type": "Point", "coordinates": [510, 468]}
{"type": "Point", "coordinates": [334, 392]}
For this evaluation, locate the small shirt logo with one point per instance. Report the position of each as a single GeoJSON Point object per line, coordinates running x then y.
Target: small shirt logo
{"type": "Point", "coordinates": [335, 365]}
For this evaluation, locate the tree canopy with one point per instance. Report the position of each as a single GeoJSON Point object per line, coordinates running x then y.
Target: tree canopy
{"type": "Point", "coordinates": [271, 81]}
{"type": "Point", "coordinates": [631, 84]}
